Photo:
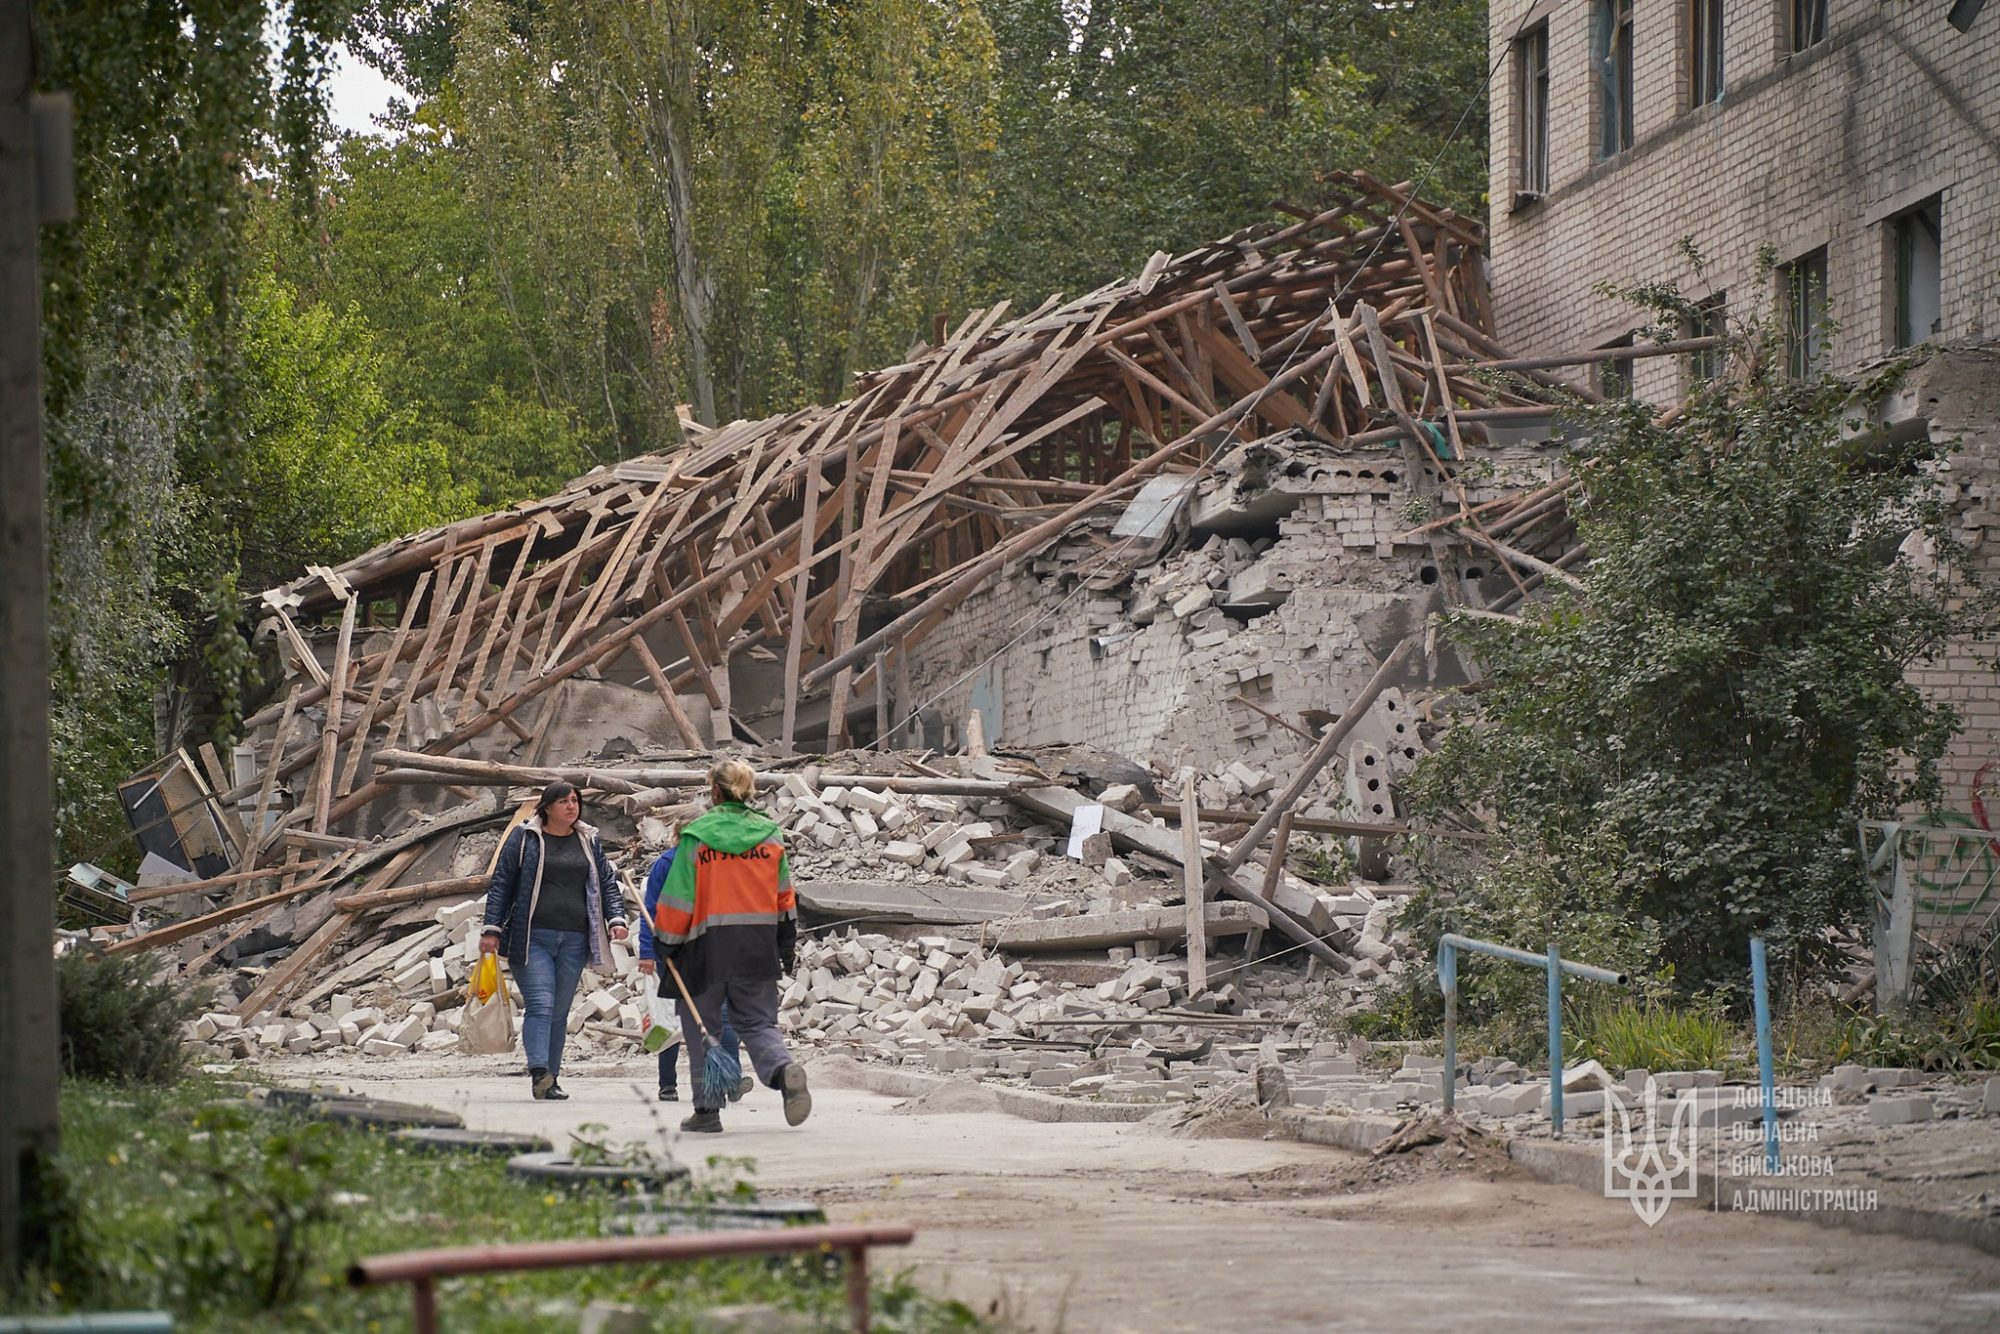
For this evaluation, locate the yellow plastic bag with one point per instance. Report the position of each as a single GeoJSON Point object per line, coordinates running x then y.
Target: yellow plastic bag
{"type": "Point", "coordinates": [485, 978]}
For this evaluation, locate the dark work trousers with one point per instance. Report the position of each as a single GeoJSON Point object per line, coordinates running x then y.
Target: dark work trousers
{"type": "Point", "coordinates": [753, 1013]}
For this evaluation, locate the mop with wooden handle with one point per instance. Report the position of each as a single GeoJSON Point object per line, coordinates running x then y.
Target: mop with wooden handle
{"type": "Point", "coordinates": [721, 1070]}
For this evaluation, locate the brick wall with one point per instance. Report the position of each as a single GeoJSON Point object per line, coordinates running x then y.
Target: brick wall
{"type": "Point", "coordinates": [1153, 669]}
{"type": "Point", "coordinates": [1818, 148]}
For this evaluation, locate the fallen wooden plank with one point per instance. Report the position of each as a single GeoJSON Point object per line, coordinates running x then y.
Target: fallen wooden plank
{"type": "Point", "coordinates": [1103, 930]}
{"type": "Point", "coordinates": [936, 905]}
{"type": "Point", "coordinates": [280, 978]}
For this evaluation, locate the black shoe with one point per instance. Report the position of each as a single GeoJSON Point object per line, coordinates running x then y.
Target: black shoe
{"type": "Point", "coordinates": [670, 1095]}
{"type": "Point", "coordinates": [743, 1086]}
{"type": "Point", "coordinates": [555, 1093]}
{"type": "Point", "coordinates": [540, 1081]}
{"type": "Point", "coordinates": [791, 1082]}
{"type": "Point", "coordinates": [704, 1123]}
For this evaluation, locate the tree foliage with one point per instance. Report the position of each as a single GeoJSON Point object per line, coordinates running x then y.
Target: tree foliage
{"type": "Point", "coordinates": [1689, 740]}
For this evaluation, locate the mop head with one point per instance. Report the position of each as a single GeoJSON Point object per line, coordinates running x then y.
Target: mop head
{"type": "Point", "coordinates": [719, 1075]}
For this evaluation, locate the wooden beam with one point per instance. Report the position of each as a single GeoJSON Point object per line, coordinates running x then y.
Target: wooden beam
{"type": "Point", "coordinates": [1192, 881]}
{"type": "Point", "coordinates": [330, 737]}
{"type": "Point", "coordinates": [800, 590]}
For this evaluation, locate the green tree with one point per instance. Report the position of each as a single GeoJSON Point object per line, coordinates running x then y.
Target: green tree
{"type": "Point", "coordinates": [399, 238]}
{"type": "Point", "coordinates": [1689, 739]}
{"type": "Point", "coordinates": [333, 468]}
{"type": "Point", "coordinates": [1129, 126]}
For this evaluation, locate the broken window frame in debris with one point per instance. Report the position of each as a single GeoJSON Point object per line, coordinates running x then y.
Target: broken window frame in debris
{"type": "Point", "coordinates": [1611, 55]}
{"type": "Point", "coordinates": [1531, 65]}
{"type": "Point", "coordinates": [1803, 291]}
{"type": "Point", "coordinates": [1917, 235]}
{"type": "Point", "coordinates": [1808, 25]}
{"type": "Point", "coordinates": [1704, 52]}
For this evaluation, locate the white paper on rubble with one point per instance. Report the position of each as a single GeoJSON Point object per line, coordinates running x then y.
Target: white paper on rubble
{"type": "Point", "coordinates": [1088, 820]}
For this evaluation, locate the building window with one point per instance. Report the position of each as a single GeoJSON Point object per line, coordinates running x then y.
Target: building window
{"type": "Point", "coordinates": [1805, 313]}
{"type": "Point", "coordinates": [1919, 293]}
{"type": "Point", "coordinates": [1704, 18]}
{"type": "Point", "coordinates": [1611, 49]}
{"type": "Point", "coordinates": [1531, 60]}
{"type": "Point", "coordinates": [1808, 23]}
{"type": "Point", "coordinates": [1709, 319]}
{"type": "Point", "coordinates": [1614, 378]}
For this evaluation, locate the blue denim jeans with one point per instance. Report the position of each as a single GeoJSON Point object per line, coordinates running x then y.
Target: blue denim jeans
{"type": "Point", "coordinates": [670, 1056]}
{"type": "Point", "coordinates": [548, 980]}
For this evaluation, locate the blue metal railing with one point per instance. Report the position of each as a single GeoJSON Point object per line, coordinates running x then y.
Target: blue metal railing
{"type": "Point", "coordinates": [1555, 965]}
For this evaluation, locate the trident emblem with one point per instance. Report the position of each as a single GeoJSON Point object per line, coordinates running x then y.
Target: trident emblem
{"type": "Point", "coordinates": [1649, 1174]}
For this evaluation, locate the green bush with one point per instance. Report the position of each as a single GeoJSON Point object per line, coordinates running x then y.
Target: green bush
{"type": "Point", "coordinates": [118, 1023]}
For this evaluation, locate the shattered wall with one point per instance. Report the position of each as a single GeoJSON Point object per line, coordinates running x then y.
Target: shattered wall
{"type": "Point", "coordinates": [1292, 577]}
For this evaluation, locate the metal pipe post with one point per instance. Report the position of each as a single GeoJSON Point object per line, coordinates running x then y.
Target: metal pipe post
{"type": "Point", "coordinates": [1555, 967]}
{"type": "Point", "coordinates": [1767, 1076]}
{"type": "Point", "coordinates": [857, 1288]}
{"type": "Point", "coordinates": [423, 1306]}
{"type": "Point", "coordinates": [1586, 971]}
{"type": "Point", "coordinates": [1448, 983]}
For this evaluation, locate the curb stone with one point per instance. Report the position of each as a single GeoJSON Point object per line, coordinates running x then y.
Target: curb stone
{"type": "Point", "coordinates": [1028, 1105]}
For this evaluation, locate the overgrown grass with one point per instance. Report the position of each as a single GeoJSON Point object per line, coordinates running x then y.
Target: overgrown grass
{"type": "Point", "coordinates": [1652, 1035]}
{"type": "Point", "coordinates": [238, 1219]}
{"type": "Point", "coordinates": [1960, 1038]}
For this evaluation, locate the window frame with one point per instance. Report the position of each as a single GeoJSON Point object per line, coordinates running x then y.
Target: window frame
{"type": "Point", "coordinates": [1807, 281]}
{"type": "Point", "coordinates": [1532, 85]}
{"type": "Point", "coordinates": [1613, 30]}
{"type": "Point", "coordinates": [1807, 25]}
{"type": "Point", "coordinates": [1928, 215]}
{"type": "Point", "coordinates": [1617, 380]}
{"type": "Point", "coordinates": [1707, 68]}
{"type": "Point", "coordinates": [1709, 319]}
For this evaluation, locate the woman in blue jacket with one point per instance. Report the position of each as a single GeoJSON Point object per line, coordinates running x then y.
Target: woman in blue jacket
{"type": "Point", "coordinates": [553, 906]}
{"type": "Point", "coordinates": [648, 964]}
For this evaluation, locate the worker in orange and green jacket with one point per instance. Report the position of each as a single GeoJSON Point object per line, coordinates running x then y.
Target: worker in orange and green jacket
{"type": "Point", "coordinates": [728, 922]}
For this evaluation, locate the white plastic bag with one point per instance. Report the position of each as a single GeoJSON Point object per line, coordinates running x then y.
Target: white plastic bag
{"type": "Point", "coordinates": [659, 1022]}
{"type": "Point", "coordinates": [487, 1028]}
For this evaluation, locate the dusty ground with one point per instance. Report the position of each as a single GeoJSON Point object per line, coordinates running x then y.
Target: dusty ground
{"type": "Point", "coordinates": [1134, 1227]}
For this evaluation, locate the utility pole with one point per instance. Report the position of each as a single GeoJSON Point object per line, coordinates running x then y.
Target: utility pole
{"type": "Point", "coordinates": [35, 187]}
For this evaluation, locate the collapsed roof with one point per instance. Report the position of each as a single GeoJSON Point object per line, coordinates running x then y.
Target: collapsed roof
{"type": "Point", "coordinates": [833, 533]}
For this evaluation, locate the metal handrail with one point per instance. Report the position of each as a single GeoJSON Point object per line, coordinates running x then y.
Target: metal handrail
{"type": "Point", "coordinates": [1448, 947]}
{"type": "Point", "coordinates": [421, 1269]}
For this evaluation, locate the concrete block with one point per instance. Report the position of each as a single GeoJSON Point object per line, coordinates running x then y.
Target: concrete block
{"type": "Point", "coordinates": [1899, 1111]}
{"type": "Point", "coordinates": [1121, 797]}
{"type": "Point", "coordinates": [601, 1004]}
{"type": "Point", "coordinates": [906, 854]}
{"type": "Point", "coordinates": [1116, 873]}
{"type": "Point", "coordinates": [454, 915]}
{"type": "Point", "coordinates": [408, 1032]}
{"type": "Point", "coordinates": [340, 1005]}
{"type": "Point", "coordinates": [381, 1047]}
{"type": "Point", "coordinates": [867, 803]}
{"type": "Point", "coordinates": [1990, 1101]}
{"type": "Point", "coordinates": [992, 877]}
{"type": "Point", "coordinates": [1515, 1099]}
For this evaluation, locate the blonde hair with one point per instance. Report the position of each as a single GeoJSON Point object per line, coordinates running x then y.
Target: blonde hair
{"type": "Point", "coordinates": [734, 779]}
